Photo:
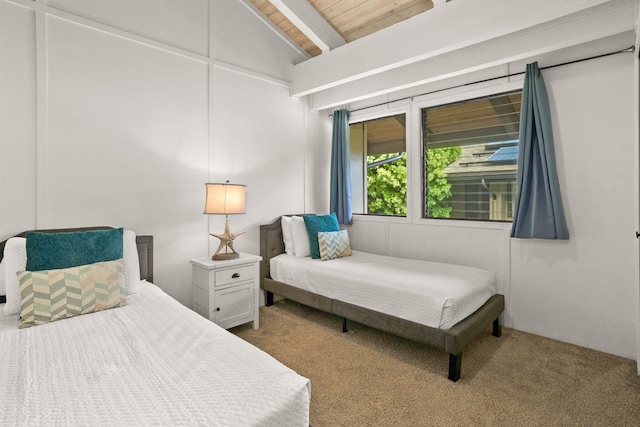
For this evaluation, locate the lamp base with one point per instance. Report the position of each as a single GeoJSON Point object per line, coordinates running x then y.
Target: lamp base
{"type": "Point", "coordinates": [226, 241]}
{"type": "Point", "coordinates": [225, 257]}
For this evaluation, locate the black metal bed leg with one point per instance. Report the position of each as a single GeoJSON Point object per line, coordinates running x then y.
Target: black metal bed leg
{"type": "Point", "coordinates": [497, 328]}
{"type": "Point", "coordinates": [455, 366]}
{"type": "Point", "coordinates": [344, 324]}
{"type": "Point", "coordinates": [268, 299]}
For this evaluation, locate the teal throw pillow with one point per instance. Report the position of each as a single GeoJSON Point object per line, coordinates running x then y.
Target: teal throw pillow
{"type": "Point", "coordinates": [51, 251]}
{"type": "Point", "coordinates": [317, 224]}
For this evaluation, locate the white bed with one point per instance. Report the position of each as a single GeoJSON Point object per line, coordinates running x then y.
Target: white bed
{"type": "Point", "coordinates": [443, 305]}
{"type": "Point", "coordinates": [150, 362]}
{"type": "Point", "coordinates": [433, 294]}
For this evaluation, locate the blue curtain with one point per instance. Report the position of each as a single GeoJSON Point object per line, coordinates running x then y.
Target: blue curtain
{"type": "Point", "coordinates": [340, 192]}
{"type": "Point", "coordinates": [538, 211]}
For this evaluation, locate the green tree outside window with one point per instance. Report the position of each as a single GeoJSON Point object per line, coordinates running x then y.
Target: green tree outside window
{"type": "Point", "coordinates": [439, 189]}
{"type": "Point", "coordinates": [387, 183]}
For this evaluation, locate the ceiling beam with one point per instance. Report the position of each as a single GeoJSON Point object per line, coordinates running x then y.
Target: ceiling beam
{"type": "Point", "coordinates": [428, 35]}
{"type": "Point", "coordinates": [596, 23]}
{"type": "Point", "coordinates": [265, 20]}
{"type": "Point", "coordinates": [311, 23]}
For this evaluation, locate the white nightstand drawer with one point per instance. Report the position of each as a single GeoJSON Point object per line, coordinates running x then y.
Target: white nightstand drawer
{"type": "Point", "coordinates": [233, 304]}
{"type": "Point", "coordinates": [234, 295]}
{"type": "Point", "coordinates": [233, 275]}
{"type": "Point", "coordinates": [232, 315]}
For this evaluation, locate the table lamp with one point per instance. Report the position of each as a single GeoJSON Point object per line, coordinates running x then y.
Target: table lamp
{"type": "Point", "coordinates": [225, 199]}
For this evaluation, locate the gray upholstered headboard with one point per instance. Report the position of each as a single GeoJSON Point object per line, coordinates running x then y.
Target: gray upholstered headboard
{"type": "Point", "coordinates": [145, 255]}
{"type": "Point", "coordinates": [144, 244]}
{"type": "Point", "coordinates": [271, 244]}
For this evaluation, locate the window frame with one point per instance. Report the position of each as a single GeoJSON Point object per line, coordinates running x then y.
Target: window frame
{"type": "Point", "coordinates": [425, 148]}
{"type": "Point", "coordinates": [374, 114]}
{"type": "Point", "coordinates": [412, 107]}
{"type": "Point", "coordinates": [436, 99]}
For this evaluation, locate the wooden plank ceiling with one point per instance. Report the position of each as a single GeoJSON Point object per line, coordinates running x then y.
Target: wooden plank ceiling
{"type": "Point", "coordinates": [352, 19]}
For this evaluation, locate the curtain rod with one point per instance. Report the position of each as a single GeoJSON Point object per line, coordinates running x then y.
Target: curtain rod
{"type": "Point", "coordinates": [630, 49]}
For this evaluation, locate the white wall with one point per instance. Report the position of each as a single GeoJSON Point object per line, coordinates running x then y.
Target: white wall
{"type": "Point", "coordinates": [318, 159]}
{"type": "Point", "coordinates": [18, 125]}
{"type": "Point", "coordinates": [582, 291]}
{"type": "Point", "coordinates": [117, 113]}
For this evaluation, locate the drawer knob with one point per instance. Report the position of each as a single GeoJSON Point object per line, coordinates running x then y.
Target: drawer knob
{"type": "Point", "coordinates": [218, 309]}
{"type": "Point", "coordinates": [235, 275]}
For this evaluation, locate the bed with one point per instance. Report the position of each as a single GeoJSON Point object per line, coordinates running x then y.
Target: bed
{"type": "Point", "coordinates": [151, 361]}
{"type": "Point", "coordinates": [449, 333]}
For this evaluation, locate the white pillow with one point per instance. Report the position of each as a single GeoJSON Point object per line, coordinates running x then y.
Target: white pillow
{"type": "Point", "coordinates": [131, 262]}
{"type": "Point", "coordinates": [15, 255]}
{"type": "Point", "coordinates": [289, 248]}
{"type": "Point", "coordinates": [300, 237]}
{"type": "Point", "coordinates": [3, 277]}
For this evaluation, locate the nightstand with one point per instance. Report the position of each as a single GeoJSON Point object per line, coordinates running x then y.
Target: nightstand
{"type": "Point", "coordinates": [226, 292]}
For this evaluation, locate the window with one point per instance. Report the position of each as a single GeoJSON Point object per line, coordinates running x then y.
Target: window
{"type": "Point", "coordinates": [470, 155]}
{"type": "Point", "coordinates": [379, 166]}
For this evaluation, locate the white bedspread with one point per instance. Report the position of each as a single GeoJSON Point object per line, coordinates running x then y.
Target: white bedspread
{"type": "Point", "coordinates": [152, 362]}
{"type": "Point", "coordinates": [430, 293]}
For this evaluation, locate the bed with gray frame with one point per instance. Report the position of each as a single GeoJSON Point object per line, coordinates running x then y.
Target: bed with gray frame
{"type": "Point", "coordinates": [453, 340]}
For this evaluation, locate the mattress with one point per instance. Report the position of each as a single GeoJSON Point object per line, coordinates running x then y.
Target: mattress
{"type": "Point", "coordinates": [151, 362]}
{"type": "Point", "coordinates": [434, 294]}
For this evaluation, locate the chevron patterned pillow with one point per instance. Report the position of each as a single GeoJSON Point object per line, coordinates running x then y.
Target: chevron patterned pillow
{"type": "Point", "coordinates": [59, 294]}
{"type": "Point", "coordinates": [334, 244]}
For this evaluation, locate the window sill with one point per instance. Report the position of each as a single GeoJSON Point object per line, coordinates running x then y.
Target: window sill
{"type": "Point", "coordinates": [488, 225]}
{"type": "Point", "coordinates": [381, 218]}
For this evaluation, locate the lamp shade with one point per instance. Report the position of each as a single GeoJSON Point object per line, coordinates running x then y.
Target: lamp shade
{"type": "Point", "coordinates": [224, 198]}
